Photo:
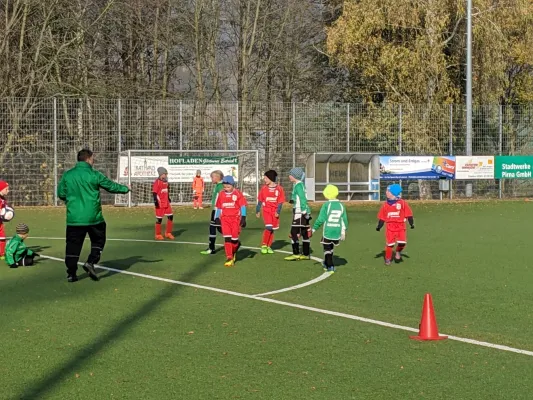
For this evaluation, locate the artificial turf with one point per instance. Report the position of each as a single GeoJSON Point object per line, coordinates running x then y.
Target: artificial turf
{"type": "Point", "coordinates": [128, 337]}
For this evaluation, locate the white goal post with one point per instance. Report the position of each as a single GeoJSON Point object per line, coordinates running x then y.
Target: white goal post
{"type": "Point", "coordinates": [138, 168]}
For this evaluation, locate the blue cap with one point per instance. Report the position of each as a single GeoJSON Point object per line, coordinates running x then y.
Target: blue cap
{"type": "Point", "coordinates": [228, 179]}
{"type": "Point", "coordinates": [395, 190]}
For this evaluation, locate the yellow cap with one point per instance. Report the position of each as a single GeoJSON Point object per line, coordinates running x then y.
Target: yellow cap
{"type": "Point", "coordinates": [331, 192]}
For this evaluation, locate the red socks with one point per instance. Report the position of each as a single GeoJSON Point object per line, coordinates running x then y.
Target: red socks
{"type": "Point", "coordinates": [271, 239]}
{"type": "Point", "coordinates": [235, 247]}
{"type": "Point", "coordinates": [158, 229]}
{"type": "Point", "coordinates": [267, 237]}
{"type": "Point", "coordinates": [229, 248]}
{"type": "Point", "coordinates": [2, 247]}
{"type": "Point", "coordinates": [388, 253]}
{"type": "Point", "coordinates": [170, 225]}
{"type": "Point", "coordinates": [400, 247]}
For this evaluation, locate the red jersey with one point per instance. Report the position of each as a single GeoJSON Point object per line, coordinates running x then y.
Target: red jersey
{"type": "Point", "coordinates": [230, 203]}
{"type": "Point", "coordinates": [3, 203]}
{"type": "Point", "coordinates": [395, 214]}
{"type": "Point", "coordinates": [271, 197]}
{"type": "Point", "coordinates": [160, 188]}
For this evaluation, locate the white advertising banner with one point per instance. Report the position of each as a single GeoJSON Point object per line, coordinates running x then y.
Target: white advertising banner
{"type": "Point", "coordinates": [180, 169]}
{"type": "Point", "coordinates": [474, 167]}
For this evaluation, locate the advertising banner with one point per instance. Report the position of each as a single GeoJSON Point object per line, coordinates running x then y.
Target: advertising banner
{"type": "Point", "coordinates": [513, 167]}
{"type": "Point", "coordinates": [416, 167]}
{"type": "Point", "coordinates": [180, 169]}
{"type": "Point", "coordinates": [474, 167]}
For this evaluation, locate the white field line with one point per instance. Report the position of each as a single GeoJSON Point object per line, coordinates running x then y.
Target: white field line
{"type": "Point", "coordinates": [325, 275]}
{"type": "Point", "coordinates": [313, 309]}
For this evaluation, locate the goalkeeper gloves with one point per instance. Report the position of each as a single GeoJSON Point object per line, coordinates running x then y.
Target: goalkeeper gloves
{"type": "Point", "coordinates": [243, 222]}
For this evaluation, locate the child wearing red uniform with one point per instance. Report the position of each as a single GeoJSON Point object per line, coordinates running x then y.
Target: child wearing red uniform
{"type": "Point", "coordinates": [4, 190]}
{"type": "Point", "coordinates": [271, 197]}
{"type": "Point", "coordinates": [394, 212]}
{"type": "Point", "coordinates": [230, 214]}
{"type": "Point", "coordinates": [162, 205]}
{"type": "Point", "coordinates": [198, 187]}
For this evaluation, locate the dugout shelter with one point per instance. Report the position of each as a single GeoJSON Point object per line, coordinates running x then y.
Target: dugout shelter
{"type": "Point", "coordinates": [355, 174]}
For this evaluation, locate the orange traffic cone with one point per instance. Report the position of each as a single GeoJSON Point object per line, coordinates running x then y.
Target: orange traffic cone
{"type": "Point", "coordinates": [428, 329]}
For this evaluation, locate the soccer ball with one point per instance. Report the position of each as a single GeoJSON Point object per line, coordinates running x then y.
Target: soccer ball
{"type": "Point", "coordinates": [7, 213]}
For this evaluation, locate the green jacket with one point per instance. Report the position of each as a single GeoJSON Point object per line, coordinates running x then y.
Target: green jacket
{"type": "Point", "coordinates": [15, 250]}
{"type": "Point", "coordinates": [80, 188]}
{"type": "Point", "coordinates": [299, 199]}
{"type": "Point", "coordinates": [333, 218]}
{"type": "Point", "coordinates": [216, 190]}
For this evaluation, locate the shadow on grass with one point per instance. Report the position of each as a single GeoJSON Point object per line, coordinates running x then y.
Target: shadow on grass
{"type": "Point", "coordinates": [38, 249]}
{"type": "Point", "coordinates": [339, 261]}
{"type": "Point", "coordinates": [382, 255]}
{"type": "Point", "coordinates": [280, 244]}
{"type": "Point", "coordinates": [38, 388]}
{"type": "Point", "coordinates": [124, 264]}
{"type": "Point", "coordinates": [245, 253]}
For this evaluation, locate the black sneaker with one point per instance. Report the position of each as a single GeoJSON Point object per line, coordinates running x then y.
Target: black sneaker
{"type": "Point", "coordinates": [89, 268]}
{"type": "Point", "coordinates": [72, 278]}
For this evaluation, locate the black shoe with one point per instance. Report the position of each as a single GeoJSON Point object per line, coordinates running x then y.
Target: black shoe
{"type": "Point", "coordinates": [72, 278]}
{"type": "Point", "coordinates": [89, 268]}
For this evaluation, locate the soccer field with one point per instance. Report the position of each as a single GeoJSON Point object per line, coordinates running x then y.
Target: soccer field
{"type": "Point", "coordinates": [151, 337]}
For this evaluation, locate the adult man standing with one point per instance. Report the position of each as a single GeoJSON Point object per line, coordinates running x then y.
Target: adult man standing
{"type": "Point", "coordinates": [80, 188]}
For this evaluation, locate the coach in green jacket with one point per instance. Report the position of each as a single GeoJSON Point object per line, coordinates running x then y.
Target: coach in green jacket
{"type": "Point", "coordinates": [80, 188]}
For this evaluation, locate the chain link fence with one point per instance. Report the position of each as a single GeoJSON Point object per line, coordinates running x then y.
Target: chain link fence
{"type": "Point", "coordinates": [39, 137]}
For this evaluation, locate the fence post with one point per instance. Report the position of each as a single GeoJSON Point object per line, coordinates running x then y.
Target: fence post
{"type": "Point", "coordinates": [293, 135]}
{"type": "Point", "coordinates": [55, 151]}
{"type": "Point", "coordinates": [348, 128]}
{"type": "Point", "coordinates": [500, 144]}
{"type": "Point", "coordinates": [181, 125]}
{"type": "Point", "coordinates": [119, 126]}
{"type": "Point", "coordinates": [400, 127]}
{"type": "Point", "coordinates": [450, 146]}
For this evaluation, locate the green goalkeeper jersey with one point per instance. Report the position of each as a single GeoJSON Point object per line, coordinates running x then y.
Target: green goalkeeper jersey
{"type": "Point", "coordinates": [299, 199]}
{"type": "Point", "coordinates": [15, 250]}
{"type": "Point", "coordinates": [334, 219]}
{"type": "Point", "coordinates": [216, 190]}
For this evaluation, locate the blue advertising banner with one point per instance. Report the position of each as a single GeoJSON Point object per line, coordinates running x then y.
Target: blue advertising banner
{"type": "Point", "coordinates": [393, 168]}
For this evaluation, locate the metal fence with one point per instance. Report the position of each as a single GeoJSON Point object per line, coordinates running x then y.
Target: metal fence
{"type": "Point", "coordinates": [39, 137]}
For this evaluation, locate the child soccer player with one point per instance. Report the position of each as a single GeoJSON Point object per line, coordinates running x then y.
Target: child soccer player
{"type": "Point", "coordinates": [394, 212]}
{"type": "Point", "coordinates": [301, 217]}
{"type": "Point", "coordinates": [198, 190]}
{"type": "Point", "coordinates": [162, 205]}
{"type": "Point", "coordinates": [335, 221]}
{"type": "Point", "coordinates": [216, 179]}
{"type": "Point", "coordinates": [17, 254]}
{"type": "Point", "coordinates": [271, 197]}
{"type": "Point", "coordinates": [4, 190]}
{"type": "Point", "coordinates": [231, 215]}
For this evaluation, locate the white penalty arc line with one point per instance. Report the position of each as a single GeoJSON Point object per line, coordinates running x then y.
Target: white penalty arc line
{"type": "Point", "coordinates": [307, 308]}
{"type": "Point", "coordinates": [320, 278]}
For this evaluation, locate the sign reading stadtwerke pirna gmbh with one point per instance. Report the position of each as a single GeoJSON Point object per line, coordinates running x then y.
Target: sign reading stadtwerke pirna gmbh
{"type": "Point", "coordinates": [513, 167]}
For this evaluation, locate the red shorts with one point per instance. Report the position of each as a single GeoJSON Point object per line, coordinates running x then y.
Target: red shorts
{"type": "Point", "coordinates": [231, 227]}
{"type": "Point", "coordinates": [163, 211]}
{"type": "Point", "coordinates": [270, 219]}
{"type": "Point", "coordinates": [393, 237]}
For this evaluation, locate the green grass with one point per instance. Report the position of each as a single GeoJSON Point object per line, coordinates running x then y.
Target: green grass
{"type": "Point", "coordinates": [128, 337]}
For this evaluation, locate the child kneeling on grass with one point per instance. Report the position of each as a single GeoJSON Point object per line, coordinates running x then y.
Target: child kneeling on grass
{"type": "Point", "coordinates": [335, 221]}
{"type": "Point", "coordinates": [17, 254]}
